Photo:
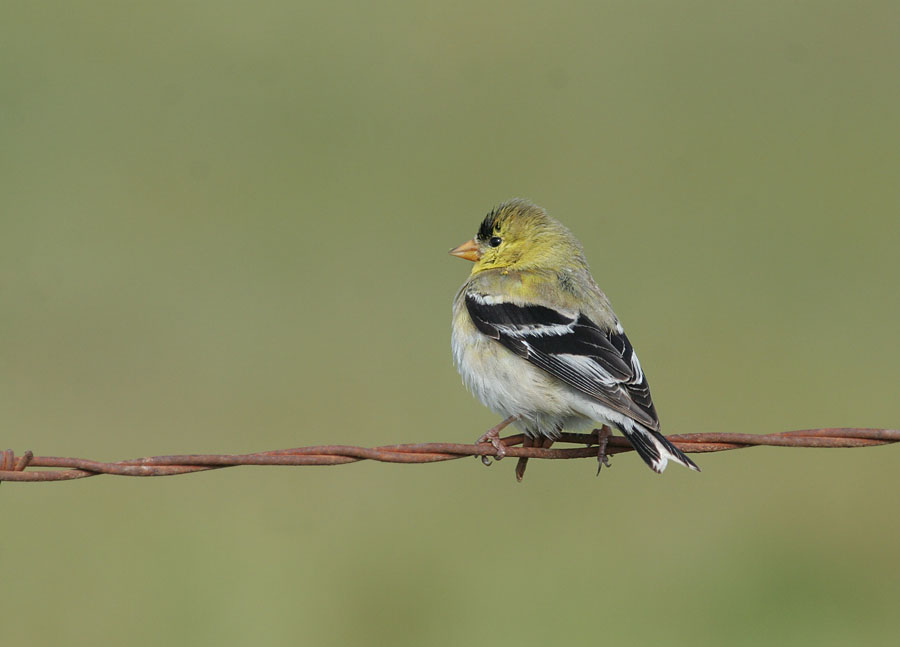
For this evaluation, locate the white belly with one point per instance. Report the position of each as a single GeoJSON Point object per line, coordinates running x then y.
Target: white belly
{"type": "Point", "coordinates": [511, 386]}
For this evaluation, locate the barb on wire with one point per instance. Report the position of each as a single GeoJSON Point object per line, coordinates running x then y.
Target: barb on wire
{"type": "Point", "coordinates": [13, 468]}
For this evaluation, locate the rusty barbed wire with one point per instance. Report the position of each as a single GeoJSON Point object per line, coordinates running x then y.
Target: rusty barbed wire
{"type": "Point", "coordinates": [13, 468]}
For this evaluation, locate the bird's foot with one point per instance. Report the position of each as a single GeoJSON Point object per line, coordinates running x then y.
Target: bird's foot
{"type": "Point", "coordinates": [603, 435]}
{"type": "Point", "coordinates": [492, 436]}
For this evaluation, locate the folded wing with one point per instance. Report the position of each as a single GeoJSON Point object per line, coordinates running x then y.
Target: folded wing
{"type": "Point", "coordinates": [598, 362]}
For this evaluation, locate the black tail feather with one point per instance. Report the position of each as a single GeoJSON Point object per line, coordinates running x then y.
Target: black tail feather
{"type": "Point", "coordinates": [647, 444]}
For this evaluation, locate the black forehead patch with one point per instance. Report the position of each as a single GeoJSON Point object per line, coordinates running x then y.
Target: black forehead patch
{"type": "Point", "coordinates": [486, 230]}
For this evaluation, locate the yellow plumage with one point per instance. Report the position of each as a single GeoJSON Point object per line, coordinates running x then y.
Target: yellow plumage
{"type": "Point", "coordinates": [535, 338]}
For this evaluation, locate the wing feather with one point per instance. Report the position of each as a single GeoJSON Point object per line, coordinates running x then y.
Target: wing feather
{"type": "Point", "coordinates": [600, 363]}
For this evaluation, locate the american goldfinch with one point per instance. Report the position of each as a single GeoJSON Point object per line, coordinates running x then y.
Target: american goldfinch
{"type": "Point", "coordinates": [537, 341]}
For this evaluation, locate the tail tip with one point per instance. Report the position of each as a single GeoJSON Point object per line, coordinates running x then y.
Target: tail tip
{"type": "Point", "coordinates": [660, 465]}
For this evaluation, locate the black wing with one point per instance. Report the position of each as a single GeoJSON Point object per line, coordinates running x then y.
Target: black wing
{"type": "Point", "coordinates": [600, 363]}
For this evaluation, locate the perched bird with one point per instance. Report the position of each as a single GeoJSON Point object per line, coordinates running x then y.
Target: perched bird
{"type": "Point", "coordinates": [538, 342]}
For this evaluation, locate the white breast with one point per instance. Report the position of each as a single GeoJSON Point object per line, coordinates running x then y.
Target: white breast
{"type": "Point", "coordinates": [510, 385]}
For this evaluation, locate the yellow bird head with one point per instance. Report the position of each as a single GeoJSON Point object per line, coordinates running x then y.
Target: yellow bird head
{"type": "Point", "coordinates": [520, 235]}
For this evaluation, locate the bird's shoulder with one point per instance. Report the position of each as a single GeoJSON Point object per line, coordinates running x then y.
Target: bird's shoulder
{"type": "Point", "coordinates": [569, 331]}
{"type": "Point", "coordinates": [571, 292]}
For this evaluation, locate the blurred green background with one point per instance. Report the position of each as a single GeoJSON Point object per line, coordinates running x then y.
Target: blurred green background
{"type": "Point", "coordinates": [224, 229]}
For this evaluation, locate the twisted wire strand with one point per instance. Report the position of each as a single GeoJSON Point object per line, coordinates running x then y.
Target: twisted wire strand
{"type": "Point", "coordinates": [20, 468]}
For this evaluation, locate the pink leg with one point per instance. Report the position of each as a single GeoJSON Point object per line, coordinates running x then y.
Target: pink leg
{"type": "Point", "coordinates": [492, 436]}
{"type": "Point", "coordinates": [603, 435]}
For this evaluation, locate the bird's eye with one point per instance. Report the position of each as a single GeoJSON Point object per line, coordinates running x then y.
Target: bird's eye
{"type": "Point", "coordinates": [495, 241]}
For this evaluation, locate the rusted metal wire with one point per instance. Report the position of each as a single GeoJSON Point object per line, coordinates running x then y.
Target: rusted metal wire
{"type": "Point", "coordinates": [13, 468]}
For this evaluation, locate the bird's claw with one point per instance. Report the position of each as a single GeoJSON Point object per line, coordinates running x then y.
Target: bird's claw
{"type": "Point", "coordinates": [603, 435]}
{"type": "Point", "coordinates": [498, 445]}
{"type": "Point", "coordinates": [492, 436]}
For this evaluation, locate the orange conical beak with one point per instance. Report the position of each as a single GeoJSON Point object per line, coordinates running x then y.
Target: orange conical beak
{"type": "Point", "coordinates": [468, 250]}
